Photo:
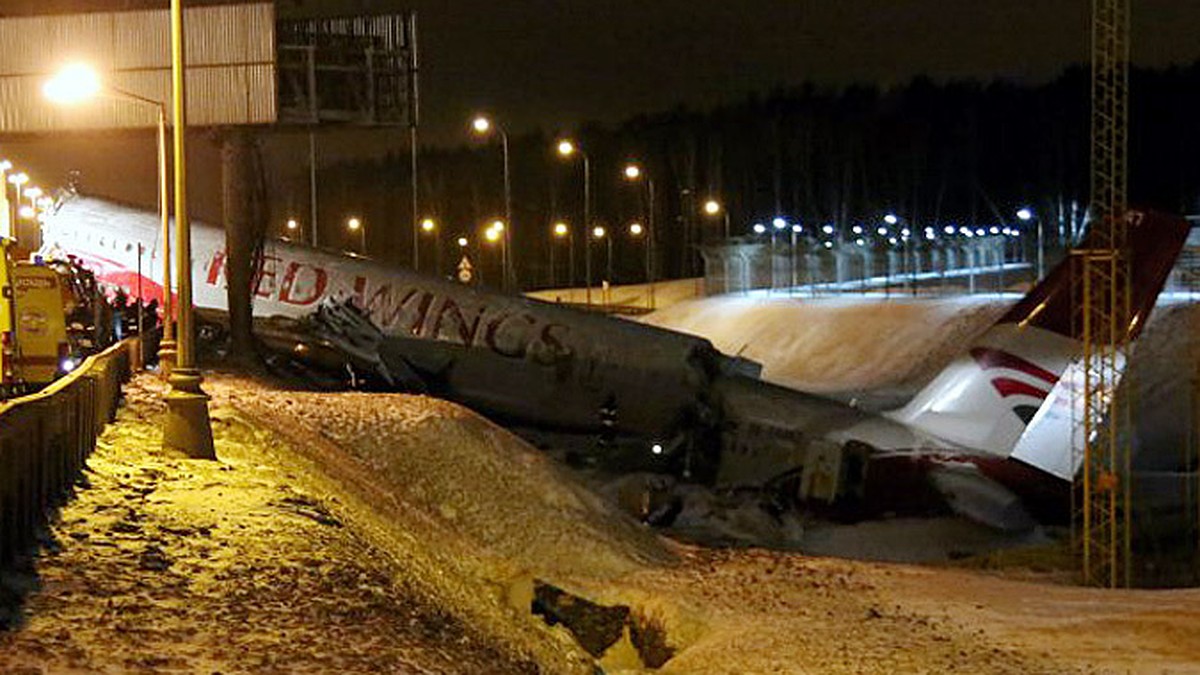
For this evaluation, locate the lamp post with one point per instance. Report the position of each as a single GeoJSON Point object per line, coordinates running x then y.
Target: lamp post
{"type": "Point", "coordinates": [567, 148]}
{"type": "Point", "coordinates": [634, 172]}
{"type": "Point", "coordinates": [563, 231]}
{"type": "Point", "coordinates": [599, 233]}
{"type": "Point", "coordinates": [187, 427]}
{"type": "Point", "coordinates": [714, 208]}
{"type": "Point", "coordinates": [796, 230]}
{"type": "Point", "coordinates": [77, 83]}
{"type": "Point", "coordinates": [18, 181]}
{"type": "Point", "coordinates": [1025, 215]}
{"type": "Point", "coordinates": [6, 214]}
{"type": "Point", "coordinates": [354, 225]}
{"type": "Point", "coordinates": [482, 125]}
{"type": "Point", "coordinates": [638, 232]}
{"type": "Point", "coordinates": [429, 228]}
{"type": "Point", "coordinates": [495, 235]}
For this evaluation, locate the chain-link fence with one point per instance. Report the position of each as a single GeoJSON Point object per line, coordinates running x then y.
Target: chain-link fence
{"type": "Point", "coordinates": [980, 264]}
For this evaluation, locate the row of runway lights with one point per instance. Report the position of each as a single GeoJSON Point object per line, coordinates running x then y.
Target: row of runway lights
{"type": "Point", "coordinates": [862, 237]}
{"type": "Point", "coordinates": [493, 231]}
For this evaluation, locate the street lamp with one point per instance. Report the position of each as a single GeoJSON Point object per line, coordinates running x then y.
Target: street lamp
{"type": "Point", "coordinates": [562, 231]}
{"type": "Point", "coordinates": [77, 83]}
{"type": "Point", "coordinates": [778, 224]}
{"type": "Point", "coordinates": [636, 231]}
{"type": "Point", "coordinates": [567, 149]}
{"type": "Point", "coordinates": [796, 230]}
{"type": "Point", "coordinates": [1026, 214]}
{"type": "Point", "coordinates": [18, 180]}
{"type": "Point", "coordinates": [634, 172]}
{"type": "Point", "coordinates": [484, 126]}
{"type": "Point", "coordinates": [6, 216]}
{"type": "Point", "coordinates": [713, 208]}
{"type": "Point", "coordinates": [292, 225]}
{"type": "Point", "coordinates": [601, 234]}
{"type": "Point", "coordinates": [495, 235]}
{"type": "Point", "coordinates": [430, 228]}
{"type": "Point", "coordinates": [187, 426]}
{"type": "Point", "coordinates": [354, 224]}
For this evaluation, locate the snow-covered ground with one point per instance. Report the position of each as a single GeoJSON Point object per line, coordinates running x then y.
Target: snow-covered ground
{"type": "Point", "coordinates": [353, 533]}
{"type": "Point", "coordinates": [848, 343]}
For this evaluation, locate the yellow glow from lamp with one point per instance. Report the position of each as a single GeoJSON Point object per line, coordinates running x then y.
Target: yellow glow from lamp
{"type": "Point", "coordinates": [73, 84]}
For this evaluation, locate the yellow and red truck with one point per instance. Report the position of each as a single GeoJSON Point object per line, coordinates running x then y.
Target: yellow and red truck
{"type": "Point", "coordinates": [34, 345]}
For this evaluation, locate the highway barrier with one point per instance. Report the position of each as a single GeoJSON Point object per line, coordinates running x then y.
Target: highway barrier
{"type": "Point", "coordinates": [46, 437]}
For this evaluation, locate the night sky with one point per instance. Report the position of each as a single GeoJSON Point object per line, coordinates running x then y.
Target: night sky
{"type": "Point", "coordinates": [555, 63]}
{"type": "Point", "coordinates": [552, 63]}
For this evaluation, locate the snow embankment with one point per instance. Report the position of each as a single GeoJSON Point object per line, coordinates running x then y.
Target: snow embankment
{"type": "Point", "coordinates": [464, 475]}
{"type": "Point", "coordinates": [842, 344]}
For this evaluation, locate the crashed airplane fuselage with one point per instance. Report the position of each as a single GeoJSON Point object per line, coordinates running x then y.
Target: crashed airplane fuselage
{"type": "Point", "coordinates": [989, 437]}
{"type": "Point", "coordinates": [515, 357]}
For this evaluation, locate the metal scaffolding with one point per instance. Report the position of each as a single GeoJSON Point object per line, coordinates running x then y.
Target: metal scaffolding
{"type": "Point", "coordinates": [1102, 520]}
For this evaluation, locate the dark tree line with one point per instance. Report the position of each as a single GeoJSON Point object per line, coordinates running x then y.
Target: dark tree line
{"type": "Point", "coordinates": [933, 153]}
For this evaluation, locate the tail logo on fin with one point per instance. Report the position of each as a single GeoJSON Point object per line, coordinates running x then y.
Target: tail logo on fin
{"type": "Point", "coordinates": [1006, 386]}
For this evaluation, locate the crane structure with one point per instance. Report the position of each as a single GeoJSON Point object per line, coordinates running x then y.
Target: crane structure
{"type": "Point", "coordinates": [1102, 518]}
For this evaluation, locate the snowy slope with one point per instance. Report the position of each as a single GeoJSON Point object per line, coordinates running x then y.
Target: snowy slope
{"type": "Point", "coordinates": [838, 344]}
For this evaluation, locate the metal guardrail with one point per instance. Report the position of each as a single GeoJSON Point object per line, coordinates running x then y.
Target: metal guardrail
{"type": "Point", "coordinates": [46, 437]}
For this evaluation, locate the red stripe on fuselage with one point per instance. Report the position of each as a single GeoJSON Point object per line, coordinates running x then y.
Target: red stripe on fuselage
{"type": "Point", "coordinates": [1010, 387]}
{"type": "Point", "coordinates": [988, 358]}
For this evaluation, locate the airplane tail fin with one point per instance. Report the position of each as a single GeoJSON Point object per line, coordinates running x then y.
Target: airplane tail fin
{"type": "Point", "coordinates": [1008, 393]}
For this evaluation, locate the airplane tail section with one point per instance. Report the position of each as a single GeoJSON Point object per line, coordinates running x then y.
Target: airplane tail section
{"type": "Point", "coordinates": [1011, 391]}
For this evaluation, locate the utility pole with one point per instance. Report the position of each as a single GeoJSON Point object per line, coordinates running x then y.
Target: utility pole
{"type": "Point", "coordinates": [413, 122]}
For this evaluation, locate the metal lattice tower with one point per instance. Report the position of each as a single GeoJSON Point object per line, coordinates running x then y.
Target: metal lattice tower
{"type": "Point", "coordinates": [1103, 294]}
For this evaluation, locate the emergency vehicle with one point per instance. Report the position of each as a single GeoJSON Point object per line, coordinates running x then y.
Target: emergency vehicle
{"type": "Point", "coordinates": [35, 300]}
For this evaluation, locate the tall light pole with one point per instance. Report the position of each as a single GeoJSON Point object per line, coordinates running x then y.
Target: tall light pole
{"type": "Point", "coordinates": [495, 235]}
{"type": "Point", "coordinates": [6, 219]}
{"type": "Point", "coordinates": [567, 148]}
{"type": "Point", "coordinates": [483, 126]}
{"type": "Point", "coordinates": [714, 208]}
{"type": "Point", "coordinates": [796, 230]}
{"type": "Point", "coordinates": [354, 225]}
{"type": "Point", "coordinates": [638, 232]}
{"type": "Point", "coordinates": [563, 231]}
{"type": "Point", "coordinates": [601, 234]}
{"type": "Point", "coordinates": [17, 180]}
{"type": "Point", "coordinates": [187, 426]}
{"type": "Point", "coordinates": [78, 82]}
{"type": "Point", "coordinates": [1025, 215]}
{"type": "Point", "coordinates": [634, 172]}
{"type": "Point", "coordinates": [430, 228]}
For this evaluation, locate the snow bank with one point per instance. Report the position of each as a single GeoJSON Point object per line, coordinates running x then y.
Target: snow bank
{"type": "Point", "coordinates": [472, 477]}
{"type": "Point", "coordinates": [841, 344]}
